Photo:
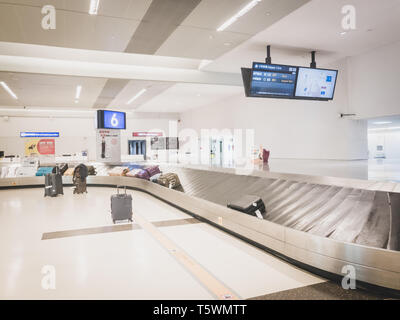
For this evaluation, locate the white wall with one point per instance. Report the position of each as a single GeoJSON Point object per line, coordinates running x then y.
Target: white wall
{"type": "Point", "coordinates": [76, 134]}
{"type": "Point", "coordinates": [374, 82]}
{"type": "Point", "coordinates": [290, 128]}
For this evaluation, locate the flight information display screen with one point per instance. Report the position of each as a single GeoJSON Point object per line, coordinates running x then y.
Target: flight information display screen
{"type": "Point", "coordinates": [316, 83]}
{"type": "Point", "coordinates": [107, 119]}
{"type": "Point", "coordinates": [271, 80]}
{"type": "Point", "coordinates": [114, 120]}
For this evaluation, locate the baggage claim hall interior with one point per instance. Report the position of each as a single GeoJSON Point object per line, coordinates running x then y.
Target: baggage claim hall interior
{"type": "Point", "coordinates": [199, 149]}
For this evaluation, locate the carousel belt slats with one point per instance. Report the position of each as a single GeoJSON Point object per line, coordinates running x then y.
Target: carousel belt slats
{"type": "Point", "coordinates": [328, 206]}
{"type": "Point", "coordinates": [394, 235]}
{"type": "Point", "coordinates": [327, 224]}
{"type": "Point", "coordinates": [294, 210]}
{"type": "Point", "coordinates": [350, 227]}
{"type": "Point", "coordinates": [376, 230]}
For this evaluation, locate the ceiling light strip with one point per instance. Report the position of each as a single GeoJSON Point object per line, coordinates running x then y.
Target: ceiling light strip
{"type": "Point", "coordinates": [242, 12]}
{"type": "Point", "coordinates": [78, 92]}
{"type": "Point", "coordinates": [136, 96]}
{"type": "Point", "coordinates": [382, 122]}
{"type": "Point", "coordinates": [7, 88]}
{"type": "Point", "coordinates": [94, 7]}
{"type": "Point", "coordinates": [384, 129]}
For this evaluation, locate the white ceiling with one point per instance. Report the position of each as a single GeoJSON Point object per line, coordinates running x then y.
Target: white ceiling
{"type": "Point", "coordinates": [197, 37]}
{"type": "Point", "coordinates": [317, 26]}
{"type": "Point", "coordinates": [58, 92]}
{"type": "Point", "coordinates": [117, 21]}
{"type": "Point", "coordinates": [184, 96]}
{"type": "Point", "coordinates": [153, 89]}
{"type": "Point", "coordinates": [111, 30]}
{"type": "Point", "coordinates": [48, 91]}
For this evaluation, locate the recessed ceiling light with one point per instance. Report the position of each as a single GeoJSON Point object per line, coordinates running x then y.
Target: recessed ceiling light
{"type": "Point", "coordinates": [384, 129]}
{"type": "Point", "coordinates": [198, 95]}
{"type": "Point", "coordinates": [10, 92]}
{"type": "Point", "coordinates": [268, 13]}
{"type": "Point", "coordinates": [136, 96]}
{"type": "Point", "coordinates": [94, 6]}
{"type": "Point", "coordinates": [242, 12]}
{"type": "Point", "coordinates": [227, 44]}
{"type": "Point", "coordinates": [382, 122]}
{"type": "Point", "coordinates": [78, 92]}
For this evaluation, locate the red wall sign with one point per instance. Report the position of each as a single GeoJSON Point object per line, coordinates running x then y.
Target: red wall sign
{"type": "Point", "coordinates": [147, 134]}
{"type": "Point", "coordinates": [46, 146]}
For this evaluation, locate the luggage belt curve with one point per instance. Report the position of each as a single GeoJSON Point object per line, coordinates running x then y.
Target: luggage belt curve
{"type": "Point", "coordinates": [375, 267]}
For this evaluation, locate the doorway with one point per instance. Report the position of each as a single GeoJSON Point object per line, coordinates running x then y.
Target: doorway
{"type": "Point", "coordinates": [137, 147]}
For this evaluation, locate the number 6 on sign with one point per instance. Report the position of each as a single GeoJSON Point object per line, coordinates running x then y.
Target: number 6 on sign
{"type": "Point", "coordinates": [114, 120]}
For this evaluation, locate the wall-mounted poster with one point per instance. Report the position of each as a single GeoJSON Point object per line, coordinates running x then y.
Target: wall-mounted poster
{"type": "Point", "coordinates": [108, 145]}
{"type": "Point", "coordinates": [40, 147]}
{"type": "Point", "coordinates": [158, 143]}
{"type": "Point", "coordinates": [172, 143]}
{"type": "Point", "coordinates": [164, 143]}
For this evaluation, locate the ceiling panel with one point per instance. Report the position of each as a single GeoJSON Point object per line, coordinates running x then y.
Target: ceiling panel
{"type": "Point", "coordinates": [198, 43]}
{"type": "Point", "coordinates": [153, 89]}
{"type": "Point", "coordinates": [160, 20]}
{"type": "Point", "coordinates": [184, 96]}
{"type": "Point", "coordinates": [96, 33]}
{"type": "Point", "coordinates": [317, 26]}
{"type": "Point", "coordinates": [50, 91]}
{"type": "Point", "coordinates": [111, 30]}
{"type": "Point", "coordinates": [111, 88]}
{"type": "Point", "coordinates": [197, 36]}
{"type": "Point", "coordinates": [210, 14]}
{"type": "Point", "coordinates": [128, 9]}
{"type": "Point", "coordinates": [5, 98]}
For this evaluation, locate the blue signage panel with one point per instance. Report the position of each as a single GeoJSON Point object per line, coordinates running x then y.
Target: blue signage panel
{"type": "Point", "coordinates": [114, 120]}
{"type": "Point", "coordinates": [39, 134]}
{"type": "Point", "coordinates": [108, 119]}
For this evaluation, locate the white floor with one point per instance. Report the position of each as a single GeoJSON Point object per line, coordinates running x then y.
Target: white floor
{"type": "Point", "coordinates": [124, 265]}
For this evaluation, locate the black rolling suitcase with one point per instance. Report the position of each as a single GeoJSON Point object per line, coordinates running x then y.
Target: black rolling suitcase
{"type": "Point", "coordinates": [252, 205]}
{"type": "Point", "coordinates": [121, 206]}
{"type": "Point", "coordinates": [53, 184]}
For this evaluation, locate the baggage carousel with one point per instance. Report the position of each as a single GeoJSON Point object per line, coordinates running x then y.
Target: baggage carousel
{"type": "Point", "coordinates": [318, 223]}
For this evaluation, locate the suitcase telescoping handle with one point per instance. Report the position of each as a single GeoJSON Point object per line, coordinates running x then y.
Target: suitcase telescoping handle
{"type": "Point", "coordinates": [120, 187]}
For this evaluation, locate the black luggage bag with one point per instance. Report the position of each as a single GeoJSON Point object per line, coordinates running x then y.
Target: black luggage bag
{"type": "Point", "coordinates": [62, 167]}
{"type": "Point", "coordinates": [53, 184]}
{"type": "Point", "coordinates": [249, 204]}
